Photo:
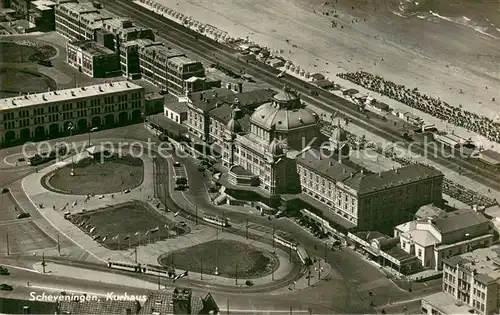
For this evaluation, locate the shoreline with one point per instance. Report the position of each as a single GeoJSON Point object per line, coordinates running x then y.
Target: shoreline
{"type": "Point", "coordinates": [409, 57]}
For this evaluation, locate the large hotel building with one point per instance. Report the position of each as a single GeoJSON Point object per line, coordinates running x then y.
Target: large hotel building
{"type": "Point", "coordinates": [272, 159]}
{"type": "Point", "coordinates": [42, 115]}
{"type": "Point", "coordinates": [133, 45]}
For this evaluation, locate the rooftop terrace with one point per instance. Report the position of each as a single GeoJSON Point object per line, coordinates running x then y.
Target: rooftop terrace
{"type": "Point", "coordinates": [68, 94]}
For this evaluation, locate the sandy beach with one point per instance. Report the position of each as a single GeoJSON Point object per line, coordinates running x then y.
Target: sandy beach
{"type": "Point", "coordinates": [443, 59]}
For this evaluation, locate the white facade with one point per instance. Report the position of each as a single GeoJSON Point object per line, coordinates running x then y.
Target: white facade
{"type": "Point", "coordinates": [431, 240]}
{"type": "Point", "coordinates": [49, 114]}
{"type": "Point", "coordinates": [79, 20]}
{"type": "Point", "coordinates": [473, 279]}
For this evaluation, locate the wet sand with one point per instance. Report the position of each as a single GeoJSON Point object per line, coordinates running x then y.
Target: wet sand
{"type": "Point", "coordinates": [441, 58]}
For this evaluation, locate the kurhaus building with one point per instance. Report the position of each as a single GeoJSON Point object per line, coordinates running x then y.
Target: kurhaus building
{"type": "Point", "coordinates": [49, 114]}
{"type": "Point", "coordinates": [276, 161]}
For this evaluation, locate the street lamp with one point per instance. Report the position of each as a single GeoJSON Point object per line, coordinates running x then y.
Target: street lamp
{"type": "Point", "coordinates": [71, 127]}
{"type": "Point", "coordinates": [92, 129]}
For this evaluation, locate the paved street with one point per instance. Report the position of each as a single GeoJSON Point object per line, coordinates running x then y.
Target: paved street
{"type": "Point", "coordinates": [349, 284]}
{"type": "Point", "coordinates": [237, 302]}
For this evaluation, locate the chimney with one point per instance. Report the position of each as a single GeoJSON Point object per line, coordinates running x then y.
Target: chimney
{"type": "Point", "coordinates": [240, 87]}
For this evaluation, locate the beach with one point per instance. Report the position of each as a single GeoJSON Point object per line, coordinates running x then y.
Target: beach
{"type": "Point", "coordinates": [452, 58]}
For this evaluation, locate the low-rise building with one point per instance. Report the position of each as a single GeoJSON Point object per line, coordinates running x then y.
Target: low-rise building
{"type": "Point", "coordinates": [50, 114]}
{"type": "Point", "coordinates": [435, 238]}
{"type": "Point", "coordinates": [176, 111]}
{"type": "Point", "coordinates": [490, 157]}
{"type": "Point", "coordinates": [93, 59]}
{"type": "Point", "coordinates": [43, 15]}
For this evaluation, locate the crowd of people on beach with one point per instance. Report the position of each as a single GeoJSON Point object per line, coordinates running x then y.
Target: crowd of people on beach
{"type": "Point", "coordinates": [450, 188]}
{"type": "Point", "coordinates": [482, 125]}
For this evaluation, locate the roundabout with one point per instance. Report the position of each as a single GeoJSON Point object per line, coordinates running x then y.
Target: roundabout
{"type": "Point", "coordinates": [92, 177]}
{"type": "Point", "coordinates": [231, 259]}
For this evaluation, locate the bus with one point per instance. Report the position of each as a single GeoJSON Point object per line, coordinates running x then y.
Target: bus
{"type": "Point", "coordinates": [224, 222]}
{"type": "Point", "coordinates": [285, 240]}
{"type": "Point", "coordinates": [302, 253]}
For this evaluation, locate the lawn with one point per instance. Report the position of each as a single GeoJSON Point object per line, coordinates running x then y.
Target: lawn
{"type": "Point", "coordinates": [15, 53]}
{"type": "Point", "coordinates": [250, 262]}
{"type": "Point", "coordinates": [24, 81]}
{"type": "Point", "coordinates": [126, 225]}
{"type": "Point", "coordinates": [92, 177]}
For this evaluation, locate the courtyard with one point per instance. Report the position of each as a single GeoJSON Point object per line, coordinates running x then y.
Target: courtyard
{"type": "Point", "coordinates": [232, 258]}
{"type": "Point", "coordinates": [126, 225]}
{"type": "Point", "coordinates": [91, 177]}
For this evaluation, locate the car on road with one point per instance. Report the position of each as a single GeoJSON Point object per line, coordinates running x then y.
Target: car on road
{"type": "Point", "coordinates": [6, 287]}
{"type": "Point", "coordinates": [183, 223]}
{"type": "Point", "coordinates": [46, 63]}
{"type": "Point", "coordinates": [4, 271]}
{"type": "Point", "coordinates": [126, 191]}
{"type": "Point", "coordinates": [23, 215]}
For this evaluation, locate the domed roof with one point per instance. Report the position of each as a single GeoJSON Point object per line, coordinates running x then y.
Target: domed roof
{"type": "Point", "coordinates": [275, 148]}
{"type": "Point", "coordinates": [339, 135]}
{"type": "Point", "coordinates": [234, 126]}
{"type": "Point", "coordinates": [285, 96]}
{"type": "Point", "coordinates": [269, 116]}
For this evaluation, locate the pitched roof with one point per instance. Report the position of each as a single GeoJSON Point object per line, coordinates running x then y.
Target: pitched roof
{"type": "Point", "coordinates": [101, 306]}
{"type": "Point", "coordinates": [427, 211]}
{"type": "Point", "coordinates": [328, 167]}
{"type": "Point", "coordinates": [368, 183]}
{"type": "Point", "coordinates": [178, 107]}
{"type": "Point", "coordinates": [422, 237]}
{"type": "Point", "coordinates": [458, 220]}
{"type": "Point", "coordinates": [221, 95]}
{"type": "Point", "coordinates": [162, 303]}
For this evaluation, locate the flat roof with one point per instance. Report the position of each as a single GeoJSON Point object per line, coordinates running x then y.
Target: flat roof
{"type": "Point", "coordinates": [43, 3]}
{"type": "Point", "coordinates": [158, 49]}
{"type": "Point", "coordinates": [182, 60]}
{"type": "Point", "coordinates": [79, 8]}
{"type": "Point", "coordinates": [67, 94]}
{"type": "Point", "coordinates": [491, 155]}
{"type": "Point", "coordinates": [178, 107]}
{"type": "Point", "coordinates": [92, 47]}
{"type": "Point", "coordinates": [485, 261]}
{"type": "Point", "coordinates": [446, 303]}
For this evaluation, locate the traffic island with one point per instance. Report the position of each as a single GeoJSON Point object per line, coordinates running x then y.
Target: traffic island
{"type": "Point", "coordinates": [232, 259]}
{"type": "Point", "coordinates": [90, 177]}
{"type": "Point", "coordinates": [127, 225]}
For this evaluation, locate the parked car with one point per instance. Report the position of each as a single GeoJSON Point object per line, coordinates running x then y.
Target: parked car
{"type": "Point", "coordinates": [4, 271]}
{"type": "Point", "coordinates": [177, 164]}
{"type": "Point", "coordinates": [23, 215]}
{"type": "Point", "coordinates": [6, 287]}
{"type": "Point", "coordinates": [182, 223]}
{"type": "Point", "coordinates": [46, 63]}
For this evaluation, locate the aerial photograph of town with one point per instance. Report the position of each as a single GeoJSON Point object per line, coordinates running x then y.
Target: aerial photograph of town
{"type": "Point", "coordinates": [178, 157]}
